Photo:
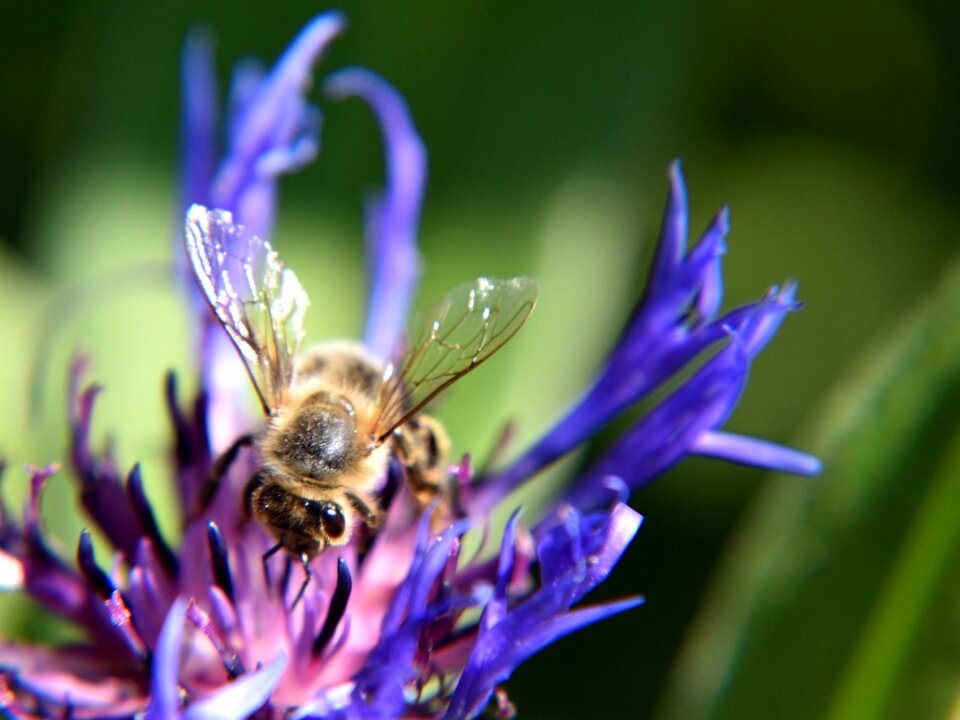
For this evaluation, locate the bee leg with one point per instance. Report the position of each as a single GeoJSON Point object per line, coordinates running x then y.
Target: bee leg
{"type": "Point", "coordinates": [266, 568]}
{"type": "Point", "coordinates": [307, 575]}
{"type": "Point", "coordinates": [422, 483]}
{"type": "Point", "coordinates": [219, 470]}
{"type": "Point", "coordinates": [422, 447]}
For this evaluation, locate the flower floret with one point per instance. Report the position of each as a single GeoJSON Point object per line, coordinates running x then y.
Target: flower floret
{"type": "Point", "coordinates": [395, 619]}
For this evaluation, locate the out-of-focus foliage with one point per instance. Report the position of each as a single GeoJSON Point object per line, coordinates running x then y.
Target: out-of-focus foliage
{"type": "Point", "coordinates": [831, 130]}
{"type": "Point", "coordinates": [804, 621]}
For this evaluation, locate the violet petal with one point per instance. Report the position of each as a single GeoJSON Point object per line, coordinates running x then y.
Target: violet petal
{"type": "Point", "coordinates": [750, 451]}
{"type": "Point", "coordinates": [390, 666]}
{"type": "Point", "coordinates": [672, 325]}
{"type": "Point", "coordinates": [336, 607]}
{"type": "Point", "coordinates": [101, 489]}
{"type": "Point", "coordinates": [191, 445]}
{"type": "Point", "coordinates": [219, 560]}
{"type": "Point", "coordinates": [576, 553]}
{"type": "Point", "coordinates": [393, 217]}
{"type": "Point", "coordinates": [199, 121]}
{"type": "Point", "coordinates": [48, 580]}
{"type": "Point", "coordinates": [164, 687]}
{"type": "Point", "coordinates": [144, 511]}
{"type": "Point", "coordinates": [514, 641]}
{"type": "Point", "coordinates": [702, 404]}
{"type": "Point", "coordinates": [275, 130]}
{"type": "Point", "coordinates": [658, 342]}
{"type": "Point", "coordinates": [242, 697]}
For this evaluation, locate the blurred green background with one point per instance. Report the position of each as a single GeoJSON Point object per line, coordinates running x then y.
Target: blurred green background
{"type": "Point", "coordinates": [830, 128]}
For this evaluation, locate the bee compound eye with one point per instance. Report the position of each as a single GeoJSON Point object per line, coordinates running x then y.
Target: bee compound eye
{"type": "Point", "coordinates": [333, 521]}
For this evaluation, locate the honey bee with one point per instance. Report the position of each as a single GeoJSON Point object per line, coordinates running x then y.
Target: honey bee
{"type": "Point", "coordinates": [335, 415]}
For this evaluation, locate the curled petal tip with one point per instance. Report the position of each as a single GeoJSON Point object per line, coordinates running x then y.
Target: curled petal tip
{"type": "Point", "coordinates": [386, 101]}
{"type": "Point", "coordinates": [783, 298]}
{"type": "Point", "coordinates": [673, 232]}
{"type": "Point", "coordinates": [342, 83]}
{"type": "Point", "coordinates": [788, 292]}
{"type": "Point", "coordinates": [678, 184]}
{"type": "Point", "coordinates": [300, 56]}
{"type": "Point", "coordinates": [677, 196]}
{"type": "Point", "coordinates": [393, 217]}
{"type": "Point", "coordinates": [722, 222]}
{"type": "Point", "coordinates": [616, 485]}
{"type": "Point", "coordinates": [38, 474]}
{"type": "Point", "coordinates": [327, 24]}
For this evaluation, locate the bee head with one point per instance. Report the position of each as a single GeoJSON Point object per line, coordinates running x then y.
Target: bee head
{"type": "Point", "coordinates": [328, 519]}
{"type": "Point", "coordinates": [304, 525]}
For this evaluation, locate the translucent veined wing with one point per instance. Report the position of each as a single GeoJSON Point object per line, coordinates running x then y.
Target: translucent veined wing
{"type": "Point", "coordinates": [461, 330]}
{"type": "Point", "coordinates": [256, 298]}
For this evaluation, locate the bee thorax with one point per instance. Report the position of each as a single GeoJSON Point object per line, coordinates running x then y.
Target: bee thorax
{"type": "Point", "coordinates": [317, 442]}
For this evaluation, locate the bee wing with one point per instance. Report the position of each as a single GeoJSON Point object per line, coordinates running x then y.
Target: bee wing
{"type": "Point", "coordinates": [462, 329]}
{"type": "Point", "coordinates": [257, 299]}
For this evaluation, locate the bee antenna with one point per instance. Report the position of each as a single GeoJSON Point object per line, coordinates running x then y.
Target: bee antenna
{"type": "Point", "coordinates": [266, 568]}
{"type": "Point", "coordinates": [307, 574]}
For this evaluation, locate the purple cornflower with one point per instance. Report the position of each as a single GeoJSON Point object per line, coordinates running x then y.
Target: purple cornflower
{"type": "Point", "coordinates": [409, 625]}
